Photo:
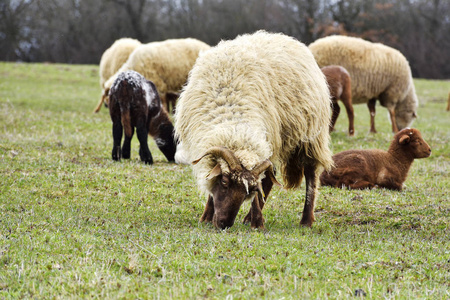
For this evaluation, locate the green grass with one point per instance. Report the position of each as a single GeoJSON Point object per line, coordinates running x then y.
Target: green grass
{"type": "Point", "coordinates": [75, 224]}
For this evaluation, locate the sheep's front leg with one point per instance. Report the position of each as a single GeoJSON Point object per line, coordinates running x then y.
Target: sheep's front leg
{"type": "Point", "coordinates": [126, 148]}
{"type": "Point", "coordinates": [208, 213]}
{"type": "Point", "coordinates": [371, 104]}
{"type": "Point", "coordinates": [311, 192]}
{"type": "Point", "coordinates": [117, 131]}
{"type": "Point", "coordinates": [393, 121]}
{"type": "Point", "coordinates": [267, 185]}
{"type": "Point", "coordinates": [144, 151]}
{"type": "Point", "coordinates": [257, 220]}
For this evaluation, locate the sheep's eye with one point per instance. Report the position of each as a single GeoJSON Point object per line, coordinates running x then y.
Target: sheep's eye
{"type": "Point", "coordinates": [224, 181]}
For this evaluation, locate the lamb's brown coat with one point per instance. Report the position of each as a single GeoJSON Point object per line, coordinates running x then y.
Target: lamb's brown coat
{"type": "Point", "coordinates": [359, 169]}
{"type": "Point", "coordinates": [340, 85]}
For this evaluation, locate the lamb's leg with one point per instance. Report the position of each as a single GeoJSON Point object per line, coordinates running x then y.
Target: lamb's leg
{"type": "Point", "coordinates": [144, 151]}
{"type": "Point", "coordinates": [311, 191]}
{"type": "Point", "coordinates": [393, 122]}
{"type": "Point", "coordinates": [336, 111]}
{"type": "Point", "coordinates": [267, 185]}
{"type": "Point", "coordinates": [360, 185]}
{"type": "Point", "coordinates": [126, 148]}
{"type": "Point", "coordinates": [208, 213]}
{"type": "Point", "coordinates": [117, 132]}
{"type": "Point", "coordinates": [371, 104]}
{"type": "Point", "coordinates": [347, 100]}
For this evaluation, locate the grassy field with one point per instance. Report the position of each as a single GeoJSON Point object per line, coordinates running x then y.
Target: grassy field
{"type": "Point", "coordinates": [75, 224]}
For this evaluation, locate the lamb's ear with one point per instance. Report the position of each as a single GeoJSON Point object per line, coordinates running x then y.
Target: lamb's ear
{"type": "Point", "coordinates": [404, 139]}
{"type": "Point", "coordinates": [216, 171]}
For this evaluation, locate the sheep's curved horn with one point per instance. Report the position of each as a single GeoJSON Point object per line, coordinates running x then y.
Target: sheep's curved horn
{"type": "Point", "coordinates": [224, 153]}
{"type": "Point", "coordinates": [262, 167]}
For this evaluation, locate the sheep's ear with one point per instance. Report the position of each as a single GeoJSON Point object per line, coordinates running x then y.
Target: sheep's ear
{"type": "Point", "coordinates": [404, 139]}
{"type": "Point", "coordinates": [216, 171]}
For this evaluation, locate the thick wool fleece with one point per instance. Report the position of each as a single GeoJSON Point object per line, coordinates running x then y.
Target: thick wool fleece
{"type": "Point", "coordinates": [114, 57]}
{"type": "Point", "coordinates": [260, 95]}
{"type": "Point", "coordinates": [377, 72]}
{"type": "Point", "coordinates": [166, 64]}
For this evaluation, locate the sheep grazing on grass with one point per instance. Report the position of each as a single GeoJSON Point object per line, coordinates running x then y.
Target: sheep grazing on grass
{"type": "Point", "coordinates": [340, 86]}
{"type": "Point", "coordinates": [135, 103]}
{"type": "Point", "coordinates": [112, 59]}
{"type": "Point", "coordinates": [360, 169]}
{"type": "Point", "coordinates": [377, 72]}
{"type": "Point", "coordinates": [166, 64]}
{"type": "Point", "coordinates": [251, 103]}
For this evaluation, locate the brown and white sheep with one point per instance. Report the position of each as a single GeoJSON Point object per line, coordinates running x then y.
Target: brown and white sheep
{"type": "Point", "coordinates": [135, 103]}
{"type": "Point", "coordinates": [340, 85]}
{"type": "Point", "coordinates": [250, 103]}
{"type": "Point", "coordinates": [377, 72]}
{"type": "Point", "coordinates": [166, 64]}
{"type": "Point", "coordinates": [112, 59]}
{"type": "Point", "coordinates": [360, 169]}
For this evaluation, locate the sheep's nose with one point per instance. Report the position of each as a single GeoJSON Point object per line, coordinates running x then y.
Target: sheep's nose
{"type": "Point", "coordinates": [223, 223]}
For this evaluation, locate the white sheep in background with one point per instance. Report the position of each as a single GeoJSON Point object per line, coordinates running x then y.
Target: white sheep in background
{"type": "Point", "coordinates": [112, 59]}
{"type": "Point", "coordinates": [377, 72]}
{"type": "Point", "coordinates": [166, 64]}
{"type": "Point", "coordinates": [258, 100]}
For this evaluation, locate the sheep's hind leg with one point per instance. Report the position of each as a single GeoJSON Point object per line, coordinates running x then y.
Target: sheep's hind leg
{"type": "Point", "coordinates": [144, 151]}
{"type": "Point", "coordinates": [311, 192]}
{"type": "Point", "coordinates": [371, 104]}
{"type": "Point", "coordinates": [208, 213]}
{"type": "Point", "coordinates": [336, 111]}
{"type": "Point", "coordinates": [267, 185]}
{"type": "Point", "coordinates": [117, 137]}
{"type": "Point", "coordinates": [126, 148]}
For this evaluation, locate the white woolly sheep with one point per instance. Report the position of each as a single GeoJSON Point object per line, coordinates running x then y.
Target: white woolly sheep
{"type": "Point", "coordinates": [250, 103]}
{"type": "Point", "coordinates": [112, 59]}
{"type": "Point", "coordinates": [360, 169]}
{"type": "Point", "coordinates": [340, 85]}
{"type": "Point", "coordinates": [166, 64]}
{"type": "Point", "coordinates": [377, 72]}
{"type": "Point", "coordinates": [135, 103]}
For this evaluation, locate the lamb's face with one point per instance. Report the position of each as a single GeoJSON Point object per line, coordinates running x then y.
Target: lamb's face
{"type": "Point", "coordinates": [416, 145]}
{"type": "Point", "coordinates": [229, 192]}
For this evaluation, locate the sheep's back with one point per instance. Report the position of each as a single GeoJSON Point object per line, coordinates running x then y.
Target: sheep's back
{"type": "Point", "coordinates": [260, 93]}
{"type": "Point", "coordinates": [115, 56]}
{"type": "Point", "coordinates": [167, 63]}
{"type": "Point", "coordinates": [374, 68]}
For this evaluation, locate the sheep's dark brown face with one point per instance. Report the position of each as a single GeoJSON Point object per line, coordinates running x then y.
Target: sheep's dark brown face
{"type": "Point", "coordinates": [412, 138]}
{"type": "Point", "coordinates": [232, 186]}
{"type": "Point", "coordinates": [229, 192]}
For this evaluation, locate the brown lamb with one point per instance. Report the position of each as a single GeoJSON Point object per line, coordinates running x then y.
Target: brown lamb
{"type": "Point", "coordinates": [340, 86]}
{"type": "Point", "coordinates": [360, 169]}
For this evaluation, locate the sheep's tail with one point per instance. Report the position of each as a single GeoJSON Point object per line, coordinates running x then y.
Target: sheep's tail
{"type": "Point", "coordinates": [125, 109]}
{"type": "Point", "coordinates": [126, 121]}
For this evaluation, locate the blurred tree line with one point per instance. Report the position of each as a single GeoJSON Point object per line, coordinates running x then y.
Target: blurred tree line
{"type": "Point", "coordinates": [78, 31]}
